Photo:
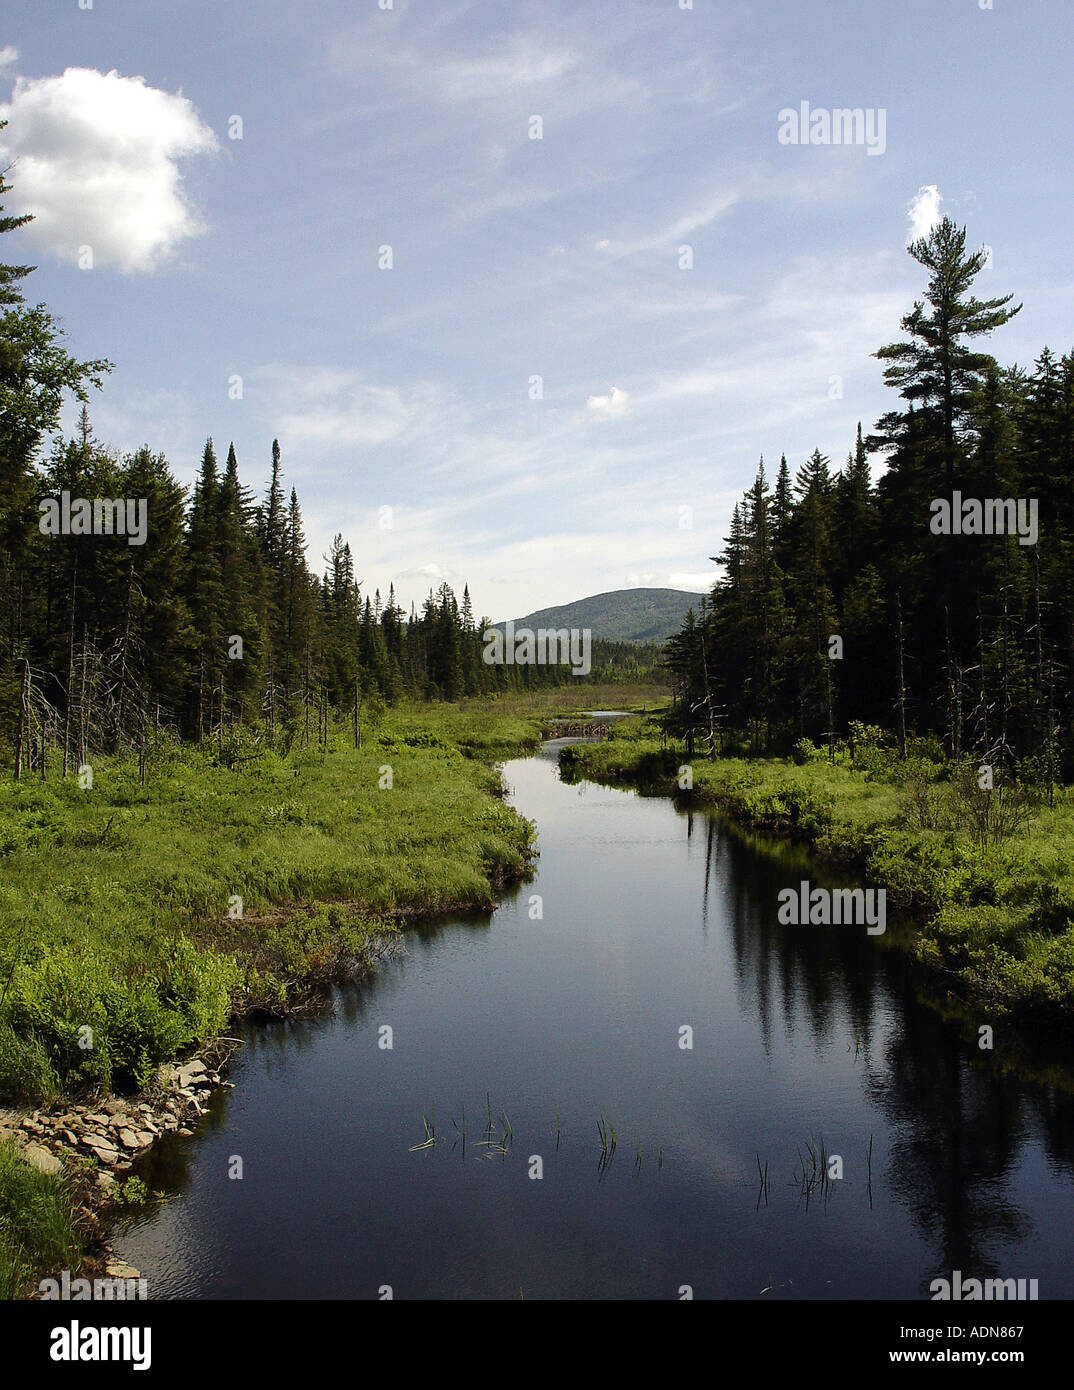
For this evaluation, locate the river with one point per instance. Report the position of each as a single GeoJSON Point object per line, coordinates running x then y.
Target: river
{"type": "Point", "coordinates": [514, 1034]}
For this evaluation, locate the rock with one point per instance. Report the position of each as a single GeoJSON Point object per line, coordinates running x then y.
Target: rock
{"type": "Point", "coordinates": [40, 1158]}
{"type": "Point", "coordinates": [187, 1074]}
{"type": "Point", "coordinates": [144, 1139]}
{"type": "Point", "coordinates": [105, 1179]}
{"type": "Point", "coordinates": [129, 1139]}
{"type": "Point", "coordinates": [69, 1137]}
{"type": "Point", "coordinates": [185, 1131]}
{"type": "Point", "coordinates": [102, 1154]}
{"type": "Point", "coordinates": [115, 1107]}
{"type": "Point", "coordinates": [31, 1126]}
{"type": "Point", "coordinates": [101, 1120]}
{"type": "Point", "coordinates": [116, 1268]}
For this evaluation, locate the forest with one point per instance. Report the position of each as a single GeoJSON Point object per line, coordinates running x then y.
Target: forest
{"type": "Point", "coordinates": [843, 601]}
{"type": "Point", "coordinates": [212, 620]}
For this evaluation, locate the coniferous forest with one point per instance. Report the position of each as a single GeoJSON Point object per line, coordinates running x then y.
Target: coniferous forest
{"type": "Point", "coordinates": [965, 638]}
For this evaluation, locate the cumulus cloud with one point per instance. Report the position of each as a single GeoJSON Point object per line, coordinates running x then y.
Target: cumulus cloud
{"type": "Point", "coordinates": [97, 165]}
{"type": "Point", "coordinates": [8, 54]}
{"type": "Point", "coordinates": [924, 211]}
{"type": "Point", "coordinates": [611, 406]}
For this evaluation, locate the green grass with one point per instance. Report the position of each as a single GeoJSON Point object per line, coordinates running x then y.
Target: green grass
{"type": "Point", "coordinates": [995, 918]}
{"type": "Point", "coordinates": [37, 1225]}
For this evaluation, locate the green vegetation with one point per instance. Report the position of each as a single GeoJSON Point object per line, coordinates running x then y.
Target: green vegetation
{"type": "Point", "coordinates": [121, 943]}
{"type": "Point", "coordinates": [623, 615]}
{"type": "Point", "coordinates": [986, 873]}
{"type": "Point", "coordinates": [38, 1225]}
{"type": "Point", "coordinates": [908, 601]}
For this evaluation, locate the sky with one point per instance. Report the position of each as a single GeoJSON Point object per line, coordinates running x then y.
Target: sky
{"type": "Point", "coordinates": [525, 291]}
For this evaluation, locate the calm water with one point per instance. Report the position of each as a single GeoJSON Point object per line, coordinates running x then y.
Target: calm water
{"type": "Point", "coordinates": [653, 918]}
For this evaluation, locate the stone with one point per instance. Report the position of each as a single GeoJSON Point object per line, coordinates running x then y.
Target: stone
{"type": "Point", "coordinates": [105, 1179]}
{"type": "Point", "coordinates": [188, 1073]}
{"type": "Point", "coordinates": [115, 1107]}
{"type": "Point", "coordinates": [40, 1158]}
{"type": "Point", "coordinates": [128, 1139]}
{"type": "Point", "coordinates": [144, 1139]}
{"type": "Point", "coordinates": [97, 1148]}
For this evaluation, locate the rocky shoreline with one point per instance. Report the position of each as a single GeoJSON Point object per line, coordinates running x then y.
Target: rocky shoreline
{"type": "Point", "coordinates": [97, 1142]}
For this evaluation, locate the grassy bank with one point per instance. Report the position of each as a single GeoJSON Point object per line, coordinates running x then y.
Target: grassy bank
{"type": "Point", "coordinates": [39, 1226]}
{"type": "Point", "coordinates": [988, 876]}
{"type": "Point", "coordinates": [136, 920]}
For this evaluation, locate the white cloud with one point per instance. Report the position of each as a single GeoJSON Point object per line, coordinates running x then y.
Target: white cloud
{"type": "Point", "coordinates": [97, 166]}
{"type": "Point", "coordinates": [610, 407]}
{"type": "Point", "coordinates": [702, 583]}
{"type": "Point", "coordinates": [8, 54]}
{"type": "Point", "coordinates": [332, 407]}
{"type": "Point", "coordinates": [431, 572]}
{"type": "Point", "coordinates": [525, 62]}
{"type": "Point", "coordinates": [709, 210]}
{"type": "Point", "coordinates": [924, 211]}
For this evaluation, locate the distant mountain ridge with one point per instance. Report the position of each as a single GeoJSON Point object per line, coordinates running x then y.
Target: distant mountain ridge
{"type": "Point", "coordinates": [621, 615]}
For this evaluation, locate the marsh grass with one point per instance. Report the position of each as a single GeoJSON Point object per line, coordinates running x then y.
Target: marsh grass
{"type": "Point", "coordinates": [38, 1228]}
{"type": "Point", "coordinates": [129, 933]}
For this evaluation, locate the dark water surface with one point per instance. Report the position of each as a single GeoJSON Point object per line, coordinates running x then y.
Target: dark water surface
{"type": "Point", "coordinates": [653, 918]}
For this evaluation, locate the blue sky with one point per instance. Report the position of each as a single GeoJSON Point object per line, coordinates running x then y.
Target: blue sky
{"type": "Point", "coordinates": [410, 388]}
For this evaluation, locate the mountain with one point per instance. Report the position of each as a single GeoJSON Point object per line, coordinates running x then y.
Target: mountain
{"type": "Point", "coordinates": [623, 615]}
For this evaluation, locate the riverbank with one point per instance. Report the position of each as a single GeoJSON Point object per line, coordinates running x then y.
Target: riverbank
{"type": "Point", "coordinates": [141, 921]}
{"type": "Point", "coordinates": [993, 899]}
